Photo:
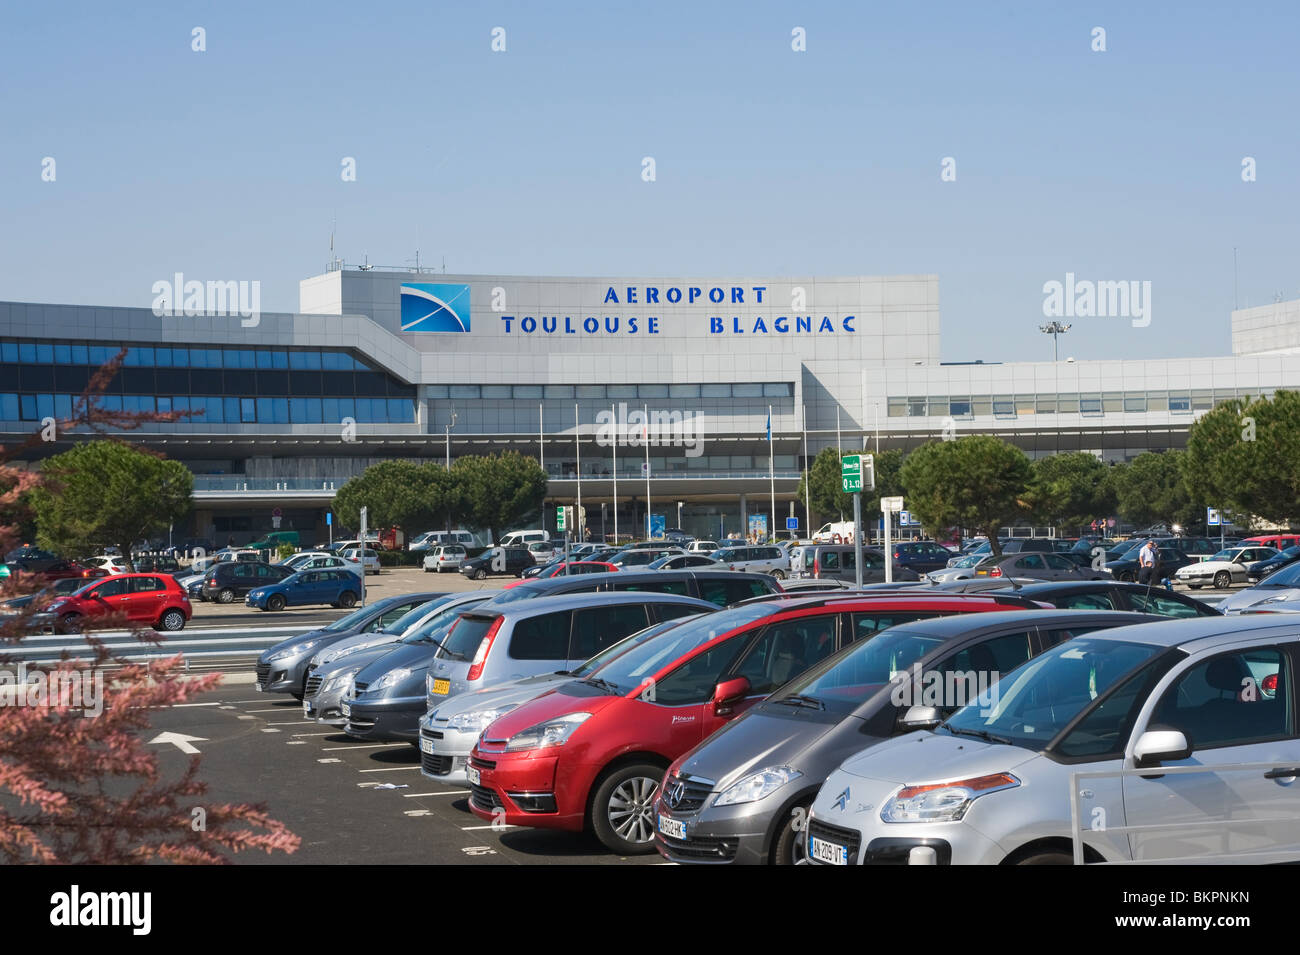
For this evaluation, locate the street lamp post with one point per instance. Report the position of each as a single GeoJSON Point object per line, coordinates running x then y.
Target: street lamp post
{"type": "Point", "coordinates": [447, 435]}
{"type": "Point", "coordinates": [1054, 329]}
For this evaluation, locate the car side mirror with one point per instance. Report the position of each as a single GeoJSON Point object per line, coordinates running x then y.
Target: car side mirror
{"type": "Point", "coordinates": [920, 718]}
{"type": "Point", "coordinates": [727, 693]}
{"type": "Point", "coordinates": [1158, 746]}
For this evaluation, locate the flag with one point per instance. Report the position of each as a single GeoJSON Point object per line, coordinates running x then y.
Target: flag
{"type": "Point", "coordinates": [769, 426]}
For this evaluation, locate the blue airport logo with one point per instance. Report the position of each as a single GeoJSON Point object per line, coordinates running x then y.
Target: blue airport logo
{"type": "Point", "coordinates": [429, 307]}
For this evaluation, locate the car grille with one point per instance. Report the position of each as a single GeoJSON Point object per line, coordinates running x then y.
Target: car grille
{"type": "Point", "coordinates": [485, 798]}
{"type": "Point", "coordinates": [708, 848]}
{"type": "Point", "coordinates": [435, 765]}
{"type": "Point", "coordinates": [478, 763]}
{"type": "Point", "coordinates": [694, 791]}
{"type": "Point", "coordinates": [263, 674]}
{"type": "Point", "coordinates": [848, 838]}
{"type": "Point", "coordinates": [313, 685]}
{"type": "Point", "coordinates": [432, 734]}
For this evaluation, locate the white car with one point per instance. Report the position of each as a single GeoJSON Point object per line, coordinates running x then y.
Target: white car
{"type": "Point", "coordinates": [993, 783]}
{"type": "Point", "coordinates": [114, 564]}
{"type": "Point", "coordinates": [701, 547]}
{"type": "Point", "coordinates": [444, 557]}
{"type": "Point", "coordinates": [318, 560]}
{"type": "Point", "coordinates": [959, 568]}
{"type": "Point", "coordinates": [1224, 569]}
{"type": "Point", "coordinates": [544, 551]}
{"type": "Point", "coordinates": [370, 562]}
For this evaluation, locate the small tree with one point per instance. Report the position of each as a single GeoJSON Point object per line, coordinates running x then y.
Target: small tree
{"type": "Point", "coordinates": [1073, 489]}
{"type": "Point", "coordinates": [977, 481]}
{"type": "Point", "coordinates": [499, 489]}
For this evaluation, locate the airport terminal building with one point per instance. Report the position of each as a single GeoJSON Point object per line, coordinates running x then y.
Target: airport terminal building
{"type": "Point", "coordinates": [625, 388]}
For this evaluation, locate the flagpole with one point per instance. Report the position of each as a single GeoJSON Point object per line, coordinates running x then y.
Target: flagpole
{"type": "Point", "coordinates": [771, 471]}
{"type": "Point", "coordinates": [647, 471]}
{"type": "Point", "coordinates": [807, 497]}
{"type": "Point", "coordinates": [577, 446]}
{"type": "Point", "coordinates": [618, 434]}
{"type": "Point", "coordinates": [541, 453]}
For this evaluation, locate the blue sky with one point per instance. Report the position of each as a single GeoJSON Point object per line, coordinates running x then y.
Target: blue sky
{"type": "Point", "coordinates": [225, 164]}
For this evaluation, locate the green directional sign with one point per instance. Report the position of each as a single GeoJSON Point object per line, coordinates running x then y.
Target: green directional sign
{"type": "Point", "coordinates": [559, 518]}
{"type": "Point", "coordinates": [851, 473]}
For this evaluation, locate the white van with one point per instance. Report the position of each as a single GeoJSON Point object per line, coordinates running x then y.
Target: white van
{"type": "Point", "coordinates": [431, 539]}
{"type": "Point", "coordinates": [828, 533]}
{"type": "Point", "coordinates": [524, 538]}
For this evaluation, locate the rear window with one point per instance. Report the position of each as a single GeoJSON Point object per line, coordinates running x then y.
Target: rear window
{"type": "Point", "coordinates": [727, 592]}
{"type": "Point", "coordinates": [462, 643]}
{"type": "Point", "coordinates": [544, 637]}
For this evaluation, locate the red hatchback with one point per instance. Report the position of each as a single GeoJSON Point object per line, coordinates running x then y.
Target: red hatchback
{"type": "Point", "coordinates": [591, 753]}
{"type": "Point", "coordinates": [155, 600]}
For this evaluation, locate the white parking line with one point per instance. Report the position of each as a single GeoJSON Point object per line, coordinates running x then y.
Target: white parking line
{"type": "Point", "coordinates": [330, 749]}
{"type": "Point", "coordinates": [289, 723]}
{"type": "Point", "coordinates": [181, 706]}
{"type": "Point", "coordinates": [389, 769]}
{"type": "Point", "coordinates": [489, 826]}
{"type": "Point", "coordinates": [278, 709]}
{"type": "Point", "coordinates": [445, 792]}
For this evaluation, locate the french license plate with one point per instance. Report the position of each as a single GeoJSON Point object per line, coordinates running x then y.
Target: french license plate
{"type": "Point", "coordinates": [306, 708]}
{"type": "Point", "coordinates": [346, 709]}
{"type": "Point", "coordinates": [442, 687]}
{"type": "Point", "coordinates": [827, 852]}
{"type": "Point", "coordinates": [474, 776]}
{"type": "Point", "coordinates": [426, 746]}
{"type": "Point", "coordinates": [672, 827]}
{"type": "Point", "coordinates": [257, 687]}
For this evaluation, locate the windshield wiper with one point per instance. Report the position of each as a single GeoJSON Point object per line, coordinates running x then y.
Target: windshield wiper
{"type": "Point", "coordinates": [799, 700]}
{"type": "Point", "coordinates": [602, 684]}
{"type": "Point", "coordinates": [978, 734]}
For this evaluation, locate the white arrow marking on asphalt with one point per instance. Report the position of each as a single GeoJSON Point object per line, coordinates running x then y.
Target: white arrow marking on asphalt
{"type": "Point", "coordinates": [179, 740]}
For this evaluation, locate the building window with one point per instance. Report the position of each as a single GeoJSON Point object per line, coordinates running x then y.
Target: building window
{"type": "Point", "coordinates": [1045, 404]}
{"type": "Point", "coordinates": [1180, 403]}
{"type": "Point", "coordinates": [715, 391]}
{"type": "Point", "coordinates": [528, 391]}
{"type": "Point", "coordinates": [247, 410]}
{"type": "Point", "coordinates": [916, 407]}
{"type": "Point", "coordinates": [1090, 404]}
{"type": "Point", "coordinates": [747, 390]}
{"type": "Point", "coordinates": [1067, 404]}
{"type": "Point", "coordinates": [1135, 403]}
{"type": "Point", "coordinates": [959, 408]}
{"type": "Point", "coordinates": [938, 407]}
{"type": "Point", "coordinates": [652, 391]}
{"type": "Point", "coordinates": [558, 391]}
{"type": "Point", "coordinates": [1004, 406]}
{"type": "Point", "coordinates": [683, 391]}
{"type": "Point", "coordinates": [777, 389]}
{"type": "Point", "coordinates": [596, 392]}
{"type": "Point", "coordinates": [897, 408]}
{"type": "Point", "coordinates": [464, 391]}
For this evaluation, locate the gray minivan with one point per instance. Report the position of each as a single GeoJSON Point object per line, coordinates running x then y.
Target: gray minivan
{"type": "Point", "coordinates": [493, 642]}
{"type": "Point", "coordinates": [839, 562]}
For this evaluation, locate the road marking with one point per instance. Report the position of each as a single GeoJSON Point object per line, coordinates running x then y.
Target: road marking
{"type": "Point", "coordinates": [390, 769]}
{"type": "Point", "coordinates": [179, 740]}
{"type": "Point", "coordinates": [334, 733]}
{"type": "Point", "coordinates": [279, 709]}
{"type": "Point", "coordinates": [329, 759]}
{"type": "Point", "coordinates": [289, 723]}
{"type": "Point", "coordinates": [241, 717]}
{"type": "Point", "coordinates": [478, 851]}
{"type": "Point", "coordinates": [267, 729]}
{"type": "Point", "coordinates": [295, 742]}
{"type": "Point", "coordinates": [180, 706]}
{"type": "Point", "coordinates": [417, 812]}
{"type": "Point", "coordinates": [446, 792]}
{"type": "Point", "coordinates": [489, 826]}
{"type": "Point", "coordinates": [330, 749]}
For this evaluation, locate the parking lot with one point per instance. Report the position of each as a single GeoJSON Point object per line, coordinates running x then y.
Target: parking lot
{"type": "Point", "coordinates": [350, 802]}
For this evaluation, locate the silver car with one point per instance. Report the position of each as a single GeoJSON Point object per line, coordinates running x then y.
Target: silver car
{"type": "Point", "coordinates": [448, 733]}
{"type": "Point", "coordinates": [498, 642]}
{"type": "Point", "coordinates": [1270, 594]}
{"type": "Point", "coordinates": [759, 558]}
{"type": "Point", "coordinates": [328, 674]}
{"type": "Point", "coordinates": [993, 784]}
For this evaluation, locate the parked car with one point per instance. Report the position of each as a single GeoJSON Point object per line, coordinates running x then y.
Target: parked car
{"type": "Point", "coordinates": [1262, 568]}
{"type": "Point", "coordinates": [1280, 587]}
{"type": "Point", "coordinates": [758, 559]}
{"type": "Point", "coordinates": [995, 785]}
{"type": "Point", "coordinates": [71, 569]}
{"type": "Point", "coordinates": [1168, 561]}
{"type": "Point", "coordinates": [274, 540]}
{"type": "Point", "coordinates": [1224, 569]}
{"type": "Point", "coordinates": [741, 795]}
{"type": "Point", "coordinates": [682, 561]}
{"type": "Point", "coordinates": [55, 588]}
{"type": "Point", "coordinates": [1279, 541]}
{"type": "Point", "coordinates": [524, 538]}
{"type": "Point", "coordinates": [497, 560]}
{"type": "Point", "coordinates": [531, 638]}
{"type": "Point", "coordinates": [544, 551]}
{"type": "Point", "coordinates": [449, 731]}
{"type": "Point", "coordinates": [367, 559]}
{"type": "Point", "coordinates": [282, 668]}
{"type": "Point", "coordinates": [839, 562]}
{"type": "Point", "coordinates": [1035, 566]}
{"type": "Point", "coordinates": [1109, 594]}
{"type": "Point", "coordinates": [643, 556]}
{"type": "Point", "coordinates": [922, 556]}
{"type": "Point", "coordinates": [230, 580]}
{"type": "Point", "coordinates": [430, 539]}
{"type": "Point", "coordinates": [158, 564]}
{"type": "Point", "coordinates": [560, 568]}
{"type": "Point", "coordinates": [338, 588]}
{"type": "Point", "coordinates": [153, 600]}
{"type": "Point", "coordinates": [959, 568]}
{"type": "Point", "coordinates": [701, 547]}
{"type": "Point", "coordinates": [315, 560]}
{"type": "Point", "coordinates": [836, 532]}
{"type": "Point", "coordinates": [442, 557]}
{"type": "Point", "coordinates": [719, 587]}
{"type": "Point", "coordinates": [106, 564]}
{"type": "Point", "coordinates": [331, 670]}
{"type": "Point", "coordinates": [32, 560]}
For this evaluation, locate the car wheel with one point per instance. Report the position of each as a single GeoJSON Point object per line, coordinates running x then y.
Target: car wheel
{"type": "Point", "coordinates": [226, 596]}
{"type": "Point", "coordinates": [1048, 858]}
{"type": "Point", "coordinates": [790, 846]}
{"type": "Point", "coordinates": [1222, 580]}
{"type": "Point", "coordinates": [1128, 577]}
{"type": "Point", "coordinates": [347, 599]}
{"type": "Point", "coordinates": [779, 574]}
{"type": "Point", "coordinates": [622, 812]}
{"type": "Point", "coordinates": [480, 574]}
{"type": "Point", "coordinates": [275, 603]}
{"type": "Point", "coordinates": [1194, 586]}
{"type": "Point", "coordinates": [70, 623]}
{"type": "Point", "coordinates": [172, 621]}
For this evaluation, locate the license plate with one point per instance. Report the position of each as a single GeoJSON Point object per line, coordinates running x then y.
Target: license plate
{"type": "Point", "coordinates": [827, 852]}
{"type": "Point", "coordinates": [672, 827]}
{"type": "Point", "coordinates": [345, 709]}
{"type": "Point", "coordinates": [306, 708]}
{"type": "Point", "coordinates": [258, 687]}
{"type": "Point", "coordinates": [442, 687]}
{"type": "Point", "coordinates": [426, 746]}
{"type": "Point", "coordinates": [474, 776]}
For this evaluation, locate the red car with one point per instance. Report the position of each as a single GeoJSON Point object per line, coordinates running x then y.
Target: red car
{"type": "Point", "coordinates": [155, 600]}
{"type": "Point", "coordinates": [591, 753]}
{"type": "Point", "coordinates": [575, 567]}
{"type": "Point", "coordinates": [63, 569]}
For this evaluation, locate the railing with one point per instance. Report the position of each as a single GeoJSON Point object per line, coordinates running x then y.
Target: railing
{"type": "Point", "coordinates": [562, 474]}
{"type": "Point", "coordinates": [1250, 857]}
{"type": "Point", "coordinates": [239, 482]}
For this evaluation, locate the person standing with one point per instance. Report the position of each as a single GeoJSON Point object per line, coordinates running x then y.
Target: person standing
{"type": "Point", "coordinates": [1147, 563]}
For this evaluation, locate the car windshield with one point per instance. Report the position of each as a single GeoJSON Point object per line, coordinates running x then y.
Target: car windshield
{"type": "Point", "coordinates": [842, 683]}
{"type": "Point", "coordinates": [522, 592]}
{"type": "Point", "coordinates": [1286, 577]}
{"type": "Point", "coordinates": [970, 560]}
{"type": "Point", "coordinates": [1226, 554]}
{"type": "Point", "coordinates": [1040, 698]}
{"type": "Point", "coordinates": [355, 619]}
{"type": "Point", "coordinates": [722, 556]}
{"type": "Point", "coordinates": [627, 643]}
{"type": "Point", "coordinates": [417, 613]}
{"type": "Point", "coordinates": [435, 629]}
{"type": "Point", "coordinates": [630, 670]}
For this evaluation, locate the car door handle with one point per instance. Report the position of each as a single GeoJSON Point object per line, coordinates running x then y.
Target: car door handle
{"type": "Point", "coordinates": [1283, 773]}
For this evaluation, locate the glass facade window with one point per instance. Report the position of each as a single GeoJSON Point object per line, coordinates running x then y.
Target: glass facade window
{"type": "Point", "coordinates": [1004, 406]}
{"type": "Point", "coordinates": [1180, 402]}
{"type": "Point", "coordinates": [496, 391]}
{"type": "Point", "coordinates": [960, 407]}
{"type": "Point", "coordinates": [530, 391]}
{"type": "Point", "coordinates": [9, 407]}
{"type": "Point", "coordinates": [746, 390]}
{"type": "Point", "coordinates": [916, 407]}
{"type": "Point", "coordinates": [715, 391]}
{"type": "Point", "coordinates": [9, 352]}
{"type": "Point", "coordinates": [465, 391]}
{"type": "Point", "coordinates": [591, 391]}
{"type": "Point", "coordinates": [897, 408]}
{"type": "Point", "coordinates": [683, 391]}
{"type": "Point", "coordinates": [1024, 404]}
{"type": "Point", "coordinates": [1201, 399]}
{"type": "Point", "coordinates": [1135, 403]}
{"type": "Point", "coordinates": [1044, 404]}
{"type": "Point", "coordinates": [558, 391]}
{"type": "Point", "coordinates": [615, 391]}
{"type": "Point", "coordinates": [1090, 404]}
{"type": "Point", "coordinates": [981, 407]}
{"type": "Point", "coordinates": [778, 389]}
{"type": "Point", "coordinates": [1157, 401]}
{"type": "Point", "coordinates": [1067, 404]}
{"type": "Point", "coordinates": [1112, 402]}
{"type": "Point", "coordinates": [652, 391]}
{"type": "Point", "coordinates": [937, 407]}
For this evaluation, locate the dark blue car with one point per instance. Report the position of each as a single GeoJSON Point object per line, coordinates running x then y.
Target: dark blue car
{"type": "Point", "coordinates": [338, 588]}
{"type": "Point", "coordinates": [1262, 568]}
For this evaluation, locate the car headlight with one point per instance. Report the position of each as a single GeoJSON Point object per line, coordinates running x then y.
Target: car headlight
{"type": "Point", "coordinates": [339, 682]}
{"type": "Point", "coordinates": [292, 651]}
{"type": "Point", "coordinates": [756, 786]}
{"type": "Point", "coordinates": [477, 721]}
{"type": "Point", "coordinates": [391, 678]}
{"type": "Point", "coordinates": [554, 732]}
{"type": "Point", "coordinates": [942, 802]}
{"type": "Point", "coordinates": [345, 652]}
